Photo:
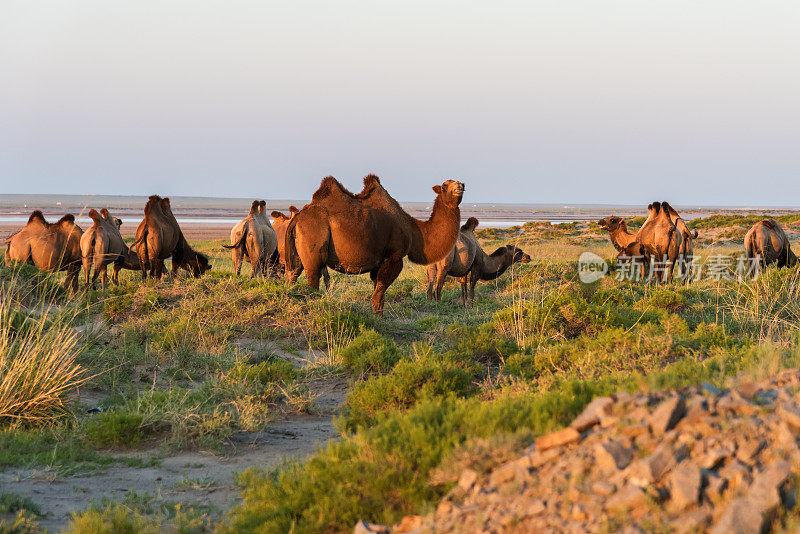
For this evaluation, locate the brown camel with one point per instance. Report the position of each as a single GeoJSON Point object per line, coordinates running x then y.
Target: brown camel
{"type": "Point", "coordinates": [369, 232]}
{"type": "Point", "coordinates": [467, 260]}
{"type": "Point", "coordinates": [159, 237]}
{"type": "Point", "coordinates": [101, 245]}
{"type": "Point", "coordinates": [280, 223]}
{"type": "Point", "coordinates": [656, 237]}
{"type": "Point", "coordinates": [254, 238]}
{"type": "Point", "coordinates": [766, 242]}
{"type": "Point", "coordinates": [50, 247]}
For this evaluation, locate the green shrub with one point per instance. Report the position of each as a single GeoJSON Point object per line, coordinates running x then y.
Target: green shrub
{"type": "Point", "coordinates": [266, 372]}
{"type": "Point", "coordinates": [114, 429]}
{"type": "Point", "coordinates": [370, 352]}
{"type": "Point", "coordinates": [11, 503]}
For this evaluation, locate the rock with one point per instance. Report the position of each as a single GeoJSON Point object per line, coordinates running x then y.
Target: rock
{"type": "Point", "coordinates": [684, 482]}
{"type": "Point", "coordinates": [467, 479]}
{"type": "Point", "coordinates": [408, 524]}
{"type": "Point", "coordinates": [539, 458]}
{"type": "Point", "coordinates": [763, 493]}
{"type": "Point", "coordinates": [714, 456]}
{"type": "Point", "coordinates": [749, 448]}
{"type": "Point", "coordinates": [693, 521]}
{"type": "Point", "coordinates": [736, 473]}
{"type": "Point", "coordinates": [579, 513]}
{"type": "Point", "coordinates": [651, 469]}
{"type": "Point", "coordinates": [710, 389]}
{"type": "Point", "coordinates": [600, 406]}
{"type": "Point", "coordinates": [612, 456]}
{"type": "Point", "coordinates": [715, 486]}
{"type": "Point", "coordinates": [749, 389]}
{"type": "Point", "coordinates": [557, 439]}
{"type": "Point", "coordinates": [535, 507]}
{"type": "Point", "coordinates": [603, 488]}
{"type": "Point", "coordinates": [667, 414]}
{"type": "Point", "coordinates": [363, 527]}
{"type": "Point", "coordinates": [628, 498]}
{"type": "Point", "coordinates": [739, 517]}
{"type": "Point", "coordinates": [790, 414]}
{"type": "Point", "coordinates": [734, 403]}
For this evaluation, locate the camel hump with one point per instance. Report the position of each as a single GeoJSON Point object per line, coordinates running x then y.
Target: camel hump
{"type": "Point", "coordinates": [772, 224]}
{"type": "Point", "coordinates": [105, 214]}
{"type": "Point", "coordinates": [152, 201]}
{"type": "Point", "coordinates": [254, 207]}
{"type": "Point", "coordinates": [95, 216]}
{"type": "Point", "coordinates": [328, 185]}
{"type": "Point", "coordinates": [37, 215]}
{"type": "Point", "coordinates": [656, 206]}
{"type": "Point", "coordinates": [668, 208]}
{"type": "Point", "coordinates": [165, 203]}
{"type": "Point", "coordinates": [371, 183]}
{"type": "Point", "coordinates": [470, 225]}
{"type": "Point", "coordinates": [262, 203]}
{"type": "Point", "coordinates": [68, 218]}
{"type": "Point", "coordinates": [293, 210]}
{"type": "Point", "coordinates": [278, 216]}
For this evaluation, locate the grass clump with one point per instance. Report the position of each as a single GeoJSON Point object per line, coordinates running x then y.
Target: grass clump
{"type": "Point", "coordinates": [370, 353]}
{"type": "Point", "coordinates": [11, 503]}
{"type": "Point", "coordinates": [115, 429]}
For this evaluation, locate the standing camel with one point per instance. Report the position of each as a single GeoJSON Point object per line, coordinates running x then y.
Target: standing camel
{"type": "Point", "coordinates": [468, 261]}
{"type": "Point", "coordinates": [253, 238]}
{"type": "Point", "coordinates": [101, 245]}
{"type": "Point", "coordinates": [50, 247]}
{"type": "Point", "coordinates": [369, 232]}
{"type": "Point", "coordinates": [766, 242]}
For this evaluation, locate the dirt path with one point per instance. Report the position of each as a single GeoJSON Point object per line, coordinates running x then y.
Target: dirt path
{"type": "Point", "coordinates": [191, 478]}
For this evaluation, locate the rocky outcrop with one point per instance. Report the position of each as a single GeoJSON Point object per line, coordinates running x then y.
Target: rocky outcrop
{"type": "Point", "coordinates": [696, 460]}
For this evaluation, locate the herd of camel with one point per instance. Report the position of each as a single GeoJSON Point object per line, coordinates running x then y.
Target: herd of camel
{"type": "Point", "coordinates": [368, 232]}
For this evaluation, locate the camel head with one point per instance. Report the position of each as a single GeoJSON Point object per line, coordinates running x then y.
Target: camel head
{"type": "Point", "coordinates": [517, 255]}
{"type": "Point", "coordinates": [470, 225]}
{"type": "Point", "coordinates": [451, 192]}
{"type": "Point", "coordinates": [197, 263]}
{"type": "Point", "coordinates": [611, 223]}
{"type": "Point", "coordinates": [118, 222]}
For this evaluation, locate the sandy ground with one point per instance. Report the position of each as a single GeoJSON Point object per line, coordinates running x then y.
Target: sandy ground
{"type": "Point", "coordinates": [58, 497]}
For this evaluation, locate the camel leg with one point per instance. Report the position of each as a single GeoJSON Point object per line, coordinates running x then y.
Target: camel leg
{"type": "Point", "coordinates": [99, 268]}
{"type": "Point", "coordinates": [105, 277]}
{"type": "Point", "coordinates": [385, 275]}
{"type": "Point", "coordinates": [327, 277]}
{"type": "Point", "coordinates": [463, 280]}
{"type": "Point", "coordinates": [115, 275]}
{"type": "Point", "coordinates": [236, 254]}
{"type": "Point", "coordinates": [430, 272]}
{"type": "Point", "coordinates": [255, 264]}
{"type": "Point", "coordinates": [473, 280]}
{"type": "Point", "coordinates": [441, 276]}
{"type": "Point", "coordinates": [312, 275]}
{"type": "Point", "coordinates": [87, 267]}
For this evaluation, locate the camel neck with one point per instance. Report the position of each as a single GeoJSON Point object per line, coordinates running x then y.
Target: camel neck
{"type": "Point", "coordinates": [438, 234]}
{"type": "Point", "coordinates": [494, 265]}
{"type": "Point", "coordinates": [621, 238]}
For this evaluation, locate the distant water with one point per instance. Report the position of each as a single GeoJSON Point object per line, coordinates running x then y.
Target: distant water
{"type": "Point", "coordinates": [484, 223]}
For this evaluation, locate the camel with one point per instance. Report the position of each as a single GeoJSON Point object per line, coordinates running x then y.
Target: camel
{"type": "Point", "coordinates": [280, 223]}
{"type": "Point", "coordinates": [101, 245]}
{"type": "Point", "coordinates": [369, 232]}
{"type": "Point", "coordinates": [158, 237]}
{"type": "Point", "coordinates": [766, 242]}
{"type": "Point", "coordinates": [661, 218]}
{"type": "Point", "coordinates": [254, 238]}
{"type": "Point", "coordinates": [50, 247]}
{"type": "Point", "coordinates": [467, 260]}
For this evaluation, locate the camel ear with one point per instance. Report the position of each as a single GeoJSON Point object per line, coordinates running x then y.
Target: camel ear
{"type": "Point", "coordinates": [437, 189]}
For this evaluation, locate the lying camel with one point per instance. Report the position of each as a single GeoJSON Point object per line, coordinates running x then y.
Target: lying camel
{"type": "Point", "coordinates": [159, 237]}
{"type": "Point", "coordinates": [254, 238]}
{"type": "Point", "coordinates": [369, 232]}
{"type": "Point", "coordinates": [280, 223]}
{"type": "Point", "coordinates": [50, 247]}
{"type": "Point", "coordinates": [766, 242]}
{"type": "Point", "coordinates": [101, 245]}
{"type": "Point", "coordinates": [468, 260]}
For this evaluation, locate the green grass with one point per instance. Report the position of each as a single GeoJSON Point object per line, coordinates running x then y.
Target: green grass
{"type": "Point", "coordinates": [191, 362]}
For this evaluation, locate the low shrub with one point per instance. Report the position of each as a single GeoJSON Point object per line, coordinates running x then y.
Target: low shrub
{"type": "Point", "coordinates": [114, 429]}
{"type": "Point", "coordinates": [370, 352]}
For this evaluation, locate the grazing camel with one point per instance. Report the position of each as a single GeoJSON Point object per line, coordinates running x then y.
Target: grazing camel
{"type": "Point", "coordinates": [101, 245]}
{"type": "Point", "coordinates": [280, 223]}
{"type": "Point", "coordinates": [468, 260]}
{"type": "Point", "coordinates": [254, 238]}
{"type": "Point", "coordinates": [50, 247]}
{"type": "Point", "coordinates": [766, 242]}
{"type": "Point", "coordinates": [369, 232]}
{"type": "Point", "coordinates": [159, 237]}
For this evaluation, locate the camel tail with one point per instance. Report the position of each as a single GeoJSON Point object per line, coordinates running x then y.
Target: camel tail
{"type": "Point", "coordinates": [238, 243]}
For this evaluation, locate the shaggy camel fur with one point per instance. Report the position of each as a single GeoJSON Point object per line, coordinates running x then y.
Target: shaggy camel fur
{"type": "Point", "coordinates": [159, 237]}
{"type": "Point", "coordinates": [767, 243]}
{"type": "Point", "coordinates": [369, 232]}
{"type": "Point", "coordinates": [280, 223]}
{"type": "Point", "coordinates": [50, 247]}
{"type": "Point", "coordinates": [254, 238]}
{"type": "Point", "coordinates": [467, 260]}
{"type": "Point", "coordinates": [101, 245]}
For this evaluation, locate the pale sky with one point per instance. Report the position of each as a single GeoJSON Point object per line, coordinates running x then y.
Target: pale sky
{"type": "Point", "coordinates": [695, 102]}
